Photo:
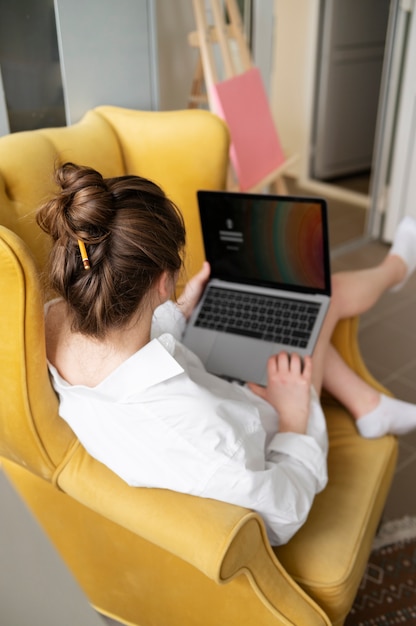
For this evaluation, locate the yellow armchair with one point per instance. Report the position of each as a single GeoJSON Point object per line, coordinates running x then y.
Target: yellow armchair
{"type": "Point", "coordinates": [148, 556]}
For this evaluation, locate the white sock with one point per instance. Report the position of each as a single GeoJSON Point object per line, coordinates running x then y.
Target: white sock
{"type": "Point", "coordinates": [391, 416]}
{"type": "Point", "coordinates": [404, 246]}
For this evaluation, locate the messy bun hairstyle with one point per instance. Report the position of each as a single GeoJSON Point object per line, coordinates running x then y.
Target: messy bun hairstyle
{"type": "Point", "coordinates": [132, 233]}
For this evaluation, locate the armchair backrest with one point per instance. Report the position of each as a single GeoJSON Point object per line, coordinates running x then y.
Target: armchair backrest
{"type": "Point", "coordinates": [181, 150]}
{"type": "Point", "coordinates": [30, 432]}
{"type": "Point", "coordinates": [27, 163]}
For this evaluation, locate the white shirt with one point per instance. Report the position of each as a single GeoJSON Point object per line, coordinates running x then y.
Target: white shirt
{"type": "Point", "coordinates": [161, 420]}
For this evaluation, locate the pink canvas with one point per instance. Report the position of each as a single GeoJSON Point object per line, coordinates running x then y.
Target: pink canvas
{"type": "Point", "coordinates": [255, 149]}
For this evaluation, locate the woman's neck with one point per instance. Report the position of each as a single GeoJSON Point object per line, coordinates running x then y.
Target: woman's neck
{"type": "Point", "coordinates": [84, 360]}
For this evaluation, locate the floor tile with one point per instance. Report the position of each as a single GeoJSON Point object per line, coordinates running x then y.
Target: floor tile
{"type": "Point", "coordinates": [400, 388]}
{"type": "Point", "coordinates": [387, 344]}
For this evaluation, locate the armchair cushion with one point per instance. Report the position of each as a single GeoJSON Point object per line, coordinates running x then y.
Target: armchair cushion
{"type": "Point", "coordinates": [328, 554]}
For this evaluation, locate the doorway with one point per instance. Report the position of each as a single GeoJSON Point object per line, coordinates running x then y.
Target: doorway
{"type": "Point", "coordinates": [351, 45]}
{"type": "Point", "coordinates": [298, 46]}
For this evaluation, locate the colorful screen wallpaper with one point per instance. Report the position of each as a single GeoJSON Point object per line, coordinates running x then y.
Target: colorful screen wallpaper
{"type": "Point", "coordinates": [265, 240]}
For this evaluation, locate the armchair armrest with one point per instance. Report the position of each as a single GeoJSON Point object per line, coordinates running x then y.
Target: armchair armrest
{"type": "Point", "coordinates": [345, 340]}
{"type": "Point", "coordinates": [221, 540]}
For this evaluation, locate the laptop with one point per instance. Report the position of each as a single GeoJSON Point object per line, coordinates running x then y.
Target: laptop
{"type": "Point", "coordinates": [270, 285]}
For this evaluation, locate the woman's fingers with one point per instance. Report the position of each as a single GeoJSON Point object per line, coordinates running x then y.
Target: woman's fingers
{"type": "Point", "coordinates": [284, 363]}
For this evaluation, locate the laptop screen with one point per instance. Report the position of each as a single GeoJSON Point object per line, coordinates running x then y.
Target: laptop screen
{"type": "Point", "coordinates": [279, 241]}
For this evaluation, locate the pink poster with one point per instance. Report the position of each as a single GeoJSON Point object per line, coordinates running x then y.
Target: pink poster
{"type": "Point", "coordinates": [255, 149]}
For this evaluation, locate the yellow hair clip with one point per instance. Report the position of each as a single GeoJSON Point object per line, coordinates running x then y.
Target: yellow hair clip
{"type": "Point", "coordinates": [84, 255]}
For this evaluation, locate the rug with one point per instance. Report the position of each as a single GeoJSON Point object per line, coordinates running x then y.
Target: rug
{"type": "Point", "coordinates": [387, 594]}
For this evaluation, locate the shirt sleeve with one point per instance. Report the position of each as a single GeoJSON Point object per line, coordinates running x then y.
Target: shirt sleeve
{"type": "Point", "coordinates": [283, 492]}
{"type": "Point", "coordinates": [168, 318]}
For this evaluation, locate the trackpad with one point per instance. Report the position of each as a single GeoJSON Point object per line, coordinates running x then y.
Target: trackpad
{"type": "Point", "coordinates": [238, 357]}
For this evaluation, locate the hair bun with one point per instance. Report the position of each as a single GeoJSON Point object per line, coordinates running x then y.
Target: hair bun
{"type": "Point", "coordinates": [71, 177]}
{"type": "Point", "coordinates": [83, 208]}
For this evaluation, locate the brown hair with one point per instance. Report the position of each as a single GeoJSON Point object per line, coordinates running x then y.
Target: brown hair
{"type": "Point", "coordinates": [132, 232]}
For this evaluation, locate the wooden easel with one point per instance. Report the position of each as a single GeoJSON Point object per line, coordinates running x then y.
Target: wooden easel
{"type": "Point", "coordinates": [227, 37]}
{"type": "Point", "coordinates": [224, 54]}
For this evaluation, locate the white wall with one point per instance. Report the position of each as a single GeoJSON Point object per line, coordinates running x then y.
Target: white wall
{"type": "Point", "coordinates": [107, 52]}
{"type": "Point", "coordinates": [138, 57]}
{"type": "Point", "coordinates": [292, 92]}
{"type": "Point", "coordinates": [176, 59]}
{"type": "Point", "coordinates": [263, 34]}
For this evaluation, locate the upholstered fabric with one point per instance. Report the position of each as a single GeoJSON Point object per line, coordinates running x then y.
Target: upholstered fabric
{"type": "Point", "coordinates": [147, 556]}
{"type": "Point", "coordinates": [30, 433]}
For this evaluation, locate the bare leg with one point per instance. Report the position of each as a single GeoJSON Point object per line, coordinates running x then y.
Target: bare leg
{"type": "Point", "coordinates": [353, 293]}
{"type": "Point", "coordinates": [356, 292]}
{"type": "Point", "coordinates": [358, 397]}
{"type": "Point", "coordinates": [376, 414]}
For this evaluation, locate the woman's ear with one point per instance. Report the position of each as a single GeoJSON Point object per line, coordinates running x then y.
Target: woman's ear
{"type": "Point", "coordinates": [165, 287]}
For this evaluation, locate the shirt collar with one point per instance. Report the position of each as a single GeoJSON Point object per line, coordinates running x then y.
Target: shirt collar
{"type": "Point", "coordinates": [151, 365]}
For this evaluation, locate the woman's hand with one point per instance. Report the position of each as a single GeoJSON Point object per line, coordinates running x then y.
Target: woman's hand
{"type": "Point", "coordinates": [288, 390]}
{"type": "Point", "coordinates": [193, 290]}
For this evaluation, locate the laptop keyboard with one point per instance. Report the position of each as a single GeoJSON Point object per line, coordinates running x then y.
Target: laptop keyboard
{"type": "Point", "coordinates": [271, 318]}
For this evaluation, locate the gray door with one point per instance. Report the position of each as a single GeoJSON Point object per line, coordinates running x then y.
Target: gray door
{"type": "Point", "coordinates": [350, 59]}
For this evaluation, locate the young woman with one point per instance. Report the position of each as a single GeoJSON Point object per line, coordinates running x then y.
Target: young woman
{"type": "Point", "coordinates": [143, 404]}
